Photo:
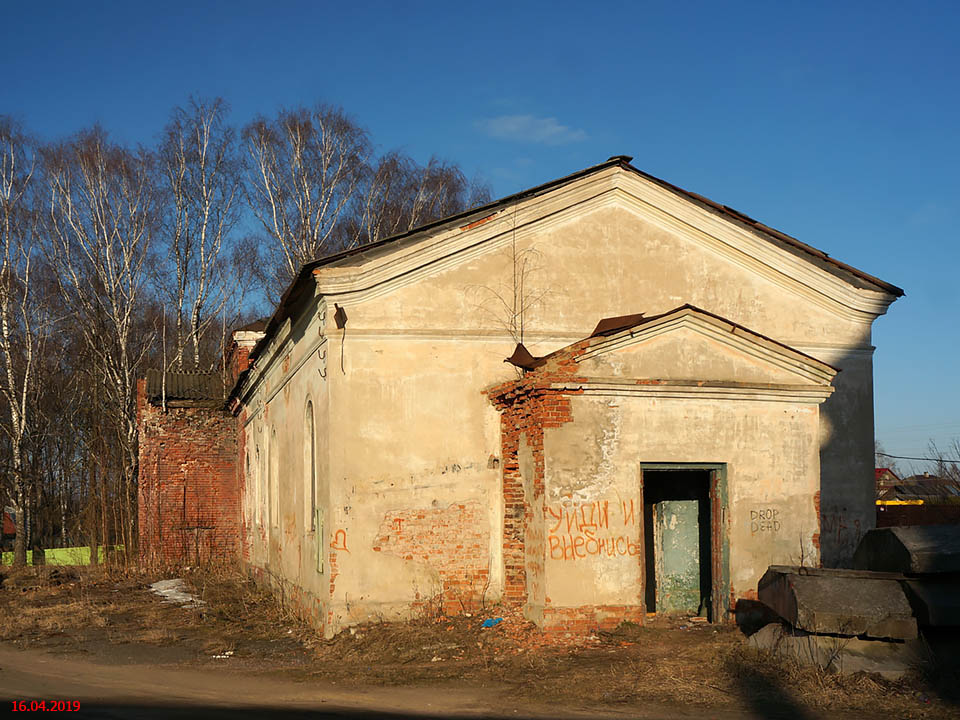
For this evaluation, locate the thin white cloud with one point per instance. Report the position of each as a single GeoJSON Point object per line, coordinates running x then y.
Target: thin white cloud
{"type": "Point", "coordinates": [531, 129]}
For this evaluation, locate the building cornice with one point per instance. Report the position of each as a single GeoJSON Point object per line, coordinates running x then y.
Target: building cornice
{"type": "Point", "coordinates": [834, 289]}
{"type": "Point", "coordinates": [697, 390]}
{"type": "Point", "coordinates": [723, 333]}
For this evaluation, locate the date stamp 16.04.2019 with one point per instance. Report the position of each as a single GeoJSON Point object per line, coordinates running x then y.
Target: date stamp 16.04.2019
{"type": "Point", "coordinates": [45, 705]}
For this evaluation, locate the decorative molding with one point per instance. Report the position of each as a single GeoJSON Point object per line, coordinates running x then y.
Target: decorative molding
{"type": "Point", "coordinates": [700, 390]}
{"type": "Point", "coordinates": [723, 333]}
{"type": "Point", "coordinates": [566, 338]}
{"type": "Point", "coordinates": [383, 271]}
{"type": "Point", "coordinates": [282, 344]}
{"type": "Point", "coordinates": [744, 248]}
{"type": "Point", "coordinates": [787, 268]}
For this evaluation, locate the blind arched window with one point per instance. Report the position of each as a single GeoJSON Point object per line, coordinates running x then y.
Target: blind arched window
{"type": "Point", "coordinates": [310, 468]}
{"type": "Point", "coordinates": [274, 500]}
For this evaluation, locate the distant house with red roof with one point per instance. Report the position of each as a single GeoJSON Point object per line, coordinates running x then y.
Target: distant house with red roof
{"type": "Point", "coordinates": [917, 500]}
{"type": "Point", "coordinates": [885, 479]}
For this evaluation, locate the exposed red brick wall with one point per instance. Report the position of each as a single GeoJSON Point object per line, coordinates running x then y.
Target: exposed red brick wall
{"type": "Point", "coordinates": [454, 541]}
{"type": "Point", "coordinates": [237, 357]}
{"type": "Point", "coordinates": [527, 407]}
{"type": "Point", "coordinates": [816, 536]}
{"type": "Point", "coordinates": [189, 491]}
{"type": "Point", "coordinates": [587, 618]}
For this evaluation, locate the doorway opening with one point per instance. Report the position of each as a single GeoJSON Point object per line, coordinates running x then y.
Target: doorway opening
{"type": "Point", "coordinates": [681, 550]}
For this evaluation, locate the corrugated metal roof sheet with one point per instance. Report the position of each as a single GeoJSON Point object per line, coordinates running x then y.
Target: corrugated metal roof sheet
{"type": "Point", "coordinates": [195, 387]}
{"type": "Point", "coordinates": [925, 488]}
{"type": "Point", "coordinates": [256, 326]}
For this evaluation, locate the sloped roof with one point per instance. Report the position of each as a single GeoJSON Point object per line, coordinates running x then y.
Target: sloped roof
{"type": "Point", "coordinates": [356, 256]}
{"type": "Point", "coordinates": [361, 254]}
{"type": "Point", "coordinates": [931, 489]}
{"type": "Point", "coordinates": [610, 327]}
{"type": "Point", "coordinates": [620, 327]}
{"type": "Point", "coordinates": [195, 388]}
{"type": "Point", "coordinates": [805, 378]}
{"type": "Point", "coordinates": [255, 326]}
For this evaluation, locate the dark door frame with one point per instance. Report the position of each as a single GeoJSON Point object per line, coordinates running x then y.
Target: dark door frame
{"type": "Point", "coordinates": [719, 532]}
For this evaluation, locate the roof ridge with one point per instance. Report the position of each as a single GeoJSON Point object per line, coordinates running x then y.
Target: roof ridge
{"type": "Point", "coordinates": [293, 291]}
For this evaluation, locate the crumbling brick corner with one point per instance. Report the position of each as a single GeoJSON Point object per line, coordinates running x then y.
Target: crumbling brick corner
{"type": "Point", "coordinates": [189, 494]}
{"type": "Point", "coordinates": [540, 400]}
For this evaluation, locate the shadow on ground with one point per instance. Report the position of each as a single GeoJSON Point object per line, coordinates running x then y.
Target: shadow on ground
{"type": "Point", "coordinates": [113, 711]}
{"type": "Point", "coordinates": [765, 695]}
{"type": "Point", "coordinates": [944, 674]}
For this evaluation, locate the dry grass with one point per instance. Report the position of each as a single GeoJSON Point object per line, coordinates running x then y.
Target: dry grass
{"type": "Point", "coordinates": [701, 666]}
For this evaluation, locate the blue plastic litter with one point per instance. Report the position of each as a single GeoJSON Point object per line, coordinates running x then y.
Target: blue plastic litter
{"type": "Point", "coordinates": [491, 622]}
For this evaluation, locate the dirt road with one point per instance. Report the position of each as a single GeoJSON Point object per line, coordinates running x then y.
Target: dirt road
{"type": "Point", "coordinates": [150, 691]}
{"type": "Point", "coordinates": [100, 636]}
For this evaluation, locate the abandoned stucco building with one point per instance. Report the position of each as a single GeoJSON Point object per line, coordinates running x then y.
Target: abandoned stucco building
{"type": "Point", "coordinates": [719, 419]}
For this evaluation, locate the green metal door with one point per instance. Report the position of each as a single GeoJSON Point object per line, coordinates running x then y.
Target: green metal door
{"type": "Point", "coordinates": [676, 541]}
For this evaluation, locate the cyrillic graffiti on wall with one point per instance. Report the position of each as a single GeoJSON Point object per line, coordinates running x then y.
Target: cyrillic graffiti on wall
{"type": "Point", "coordinates": [577, 531]}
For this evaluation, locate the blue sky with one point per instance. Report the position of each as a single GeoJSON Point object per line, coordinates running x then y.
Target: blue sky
{"type": "Point", "coordinates": [835, 122]}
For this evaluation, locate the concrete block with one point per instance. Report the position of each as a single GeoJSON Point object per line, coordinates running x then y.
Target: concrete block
{"type": "Point", "coordinates": [891, 660]}
{"type": "Point", "coordinates": [935, 600]}
{"type": "Point", "coordinates": [913, 550]}
{"type": "Point", "coordinates": [839, 602]}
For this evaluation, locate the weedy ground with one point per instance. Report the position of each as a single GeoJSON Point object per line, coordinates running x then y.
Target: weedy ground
{"type": "Point", "coordinates": [111, 614]}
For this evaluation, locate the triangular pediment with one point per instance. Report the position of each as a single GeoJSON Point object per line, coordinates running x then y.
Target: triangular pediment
{"type": "Point", "coordinates": [379, 267]}
{"type": "Point", "coordinates": [691, 345]}
{"type": "Point", "coordinates": [591, 229]}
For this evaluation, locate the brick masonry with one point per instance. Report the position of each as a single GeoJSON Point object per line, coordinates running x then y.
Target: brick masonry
{"type": "Point", "coordinates": [528, 406]}
{"type": "Point", "coordinates": [454, 541]}
{"type": "Point", "coordinates": [189, 491]}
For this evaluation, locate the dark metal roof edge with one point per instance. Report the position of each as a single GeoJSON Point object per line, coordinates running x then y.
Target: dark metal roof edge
{"type": "Point", "coordinates": [289, 295]}
{"type": "Point", "coordinates": [452, 219]}
{"type": "Point", "coordinates": [744, 219]}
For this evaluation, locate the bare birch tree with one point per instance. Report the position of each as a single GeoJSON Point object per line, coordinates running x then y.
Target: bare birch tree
{"type": "Point", "coordinates": [202, 175]}
{"type": "Point", "coordinates": [101, 218]}
{"type": "Point", "coordinates": [398, 195]}
{"type": "Point", "coordinates": [303, 169]}
{"type": "Point", "coordinates": [23, 322]}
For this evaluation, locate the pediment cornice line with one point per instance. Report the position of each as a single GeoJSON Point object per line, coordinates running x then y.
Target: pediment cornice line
{"type": "Point", "coordinates": [698, 390]}
{"type": "Point", "coordinates": [405, 266]}
{"type": "Point", "coordinates": [745, 249]}
{"type": "Point", "coordinates": [730, 336]}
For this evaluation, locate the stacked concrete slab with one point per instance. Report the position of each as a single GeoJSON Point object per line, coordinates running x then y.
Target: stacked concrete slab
{"type": "Point", "coordinates": [839, 602]}
{"type": "Point", "coordinates": [929, 559]}
{"type": "Point", "coordinates": [905, 581]}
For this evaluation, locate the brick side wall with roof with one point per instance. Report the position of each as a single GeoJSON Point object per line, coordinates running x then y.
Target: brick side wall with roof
{"type": "Point", "coordinates": [189, 494]}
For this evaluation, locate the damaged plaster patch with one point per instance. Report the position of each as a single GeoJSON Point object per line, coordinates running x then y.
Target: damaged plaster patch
{"type": "Point", "coordinates": [596, 473]}
{"type": "Point", "coordinates": [174, 591]}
